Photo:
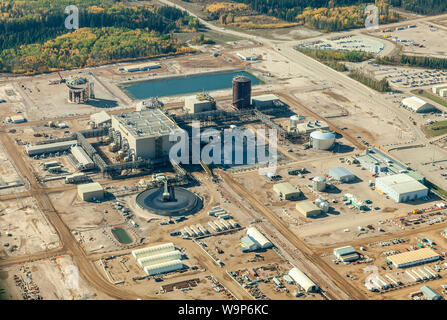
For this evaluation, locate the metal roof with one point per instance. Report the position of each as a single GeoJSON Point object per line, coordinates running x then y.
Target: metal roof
{"type": "Point", "coordinates": [285, 188]}
{"type": "Point", "coordinates": [100, 117]}
{"type": "Point", "coordinates": [416, 103]}
{"type": "Point", "coordinates": [340, 173]}
{"type": "Point", "coordinates": [306, 206]}
{"type": "Point", "coordinates": [266, 97]}
{"type": "Point", "coordinates": [413, 256]}
{"type": "Point", "coordinates": [430, 294]}
{"type": "Point", "coordinates": [90, 187]}
{"type": "Point", "coordinates": [344, 251]}
{"type": "Point", "coordinates": [401, 183]}
{"type": "Point", "coordinates": [146, 123]}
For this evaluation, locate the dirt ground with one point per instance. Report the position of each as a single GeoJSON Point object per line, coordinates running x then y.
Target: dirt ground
{"type": "Point", "coordinates": [24, 229]}
{"type": "Point", "coordinates": [49, 279]}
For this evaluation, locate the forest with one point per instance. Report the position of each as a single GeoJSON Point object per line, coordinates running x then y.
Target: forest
{"type": "Point", "coordinates": [414, 61]}
{"type": "Point", "coordinates": [378, 85]}
{"type": "Point", "coordinates": [33, 37]}
{"type": "Point", "coordinates": [326, 15]}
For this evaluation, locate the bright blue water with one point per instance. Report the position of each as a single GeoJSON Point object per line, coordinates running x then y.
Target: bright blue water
{"type": "Point", "coordinates": [191, 84]}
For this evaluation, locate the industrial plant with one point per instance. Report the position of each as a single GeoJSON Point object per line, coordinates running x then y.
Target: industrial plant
{"type": "Point", "coordinates": [242, 168]}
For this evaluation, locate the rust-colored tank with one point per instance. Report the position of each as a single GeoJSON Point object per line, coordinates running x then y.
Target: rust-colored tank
{"type": "Point", "coordinates": [241, 92]}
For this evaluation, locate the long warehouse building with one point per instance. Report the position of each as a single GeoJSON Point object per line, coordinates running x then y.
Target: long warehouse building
{"type": "Point", "coordinates": [159, 258]}
{"type": "Point", "coordinates": [163, 267]}
{"type": "Point", "coordinates": [412, 258]}
{"type": "Point", "coordinates": [263, 242]}
{"type": "Point", "coordinates": [303, 280]}
{"type": "Point", "coordinates": [149, 251]}
{"type": "Point", "coordinates": [49, 147]}
{"type": "Point", "coordinates": [84, 162]}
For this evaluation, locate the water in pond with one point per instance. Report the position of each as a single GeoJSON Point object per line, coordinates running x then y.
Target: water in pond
{"type": "Point", "coordinates": [121, 235]}
{"type": "Point", "coordinates": [191, 84]}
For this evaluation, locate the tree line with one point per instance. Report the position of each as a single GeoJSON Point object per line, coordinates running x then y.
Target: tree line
{"type": "Point", "coordinates": [414, 61]}
{"type": "Point", "coordinates": [368, 80]}
{"type": "Point", "coordinates": [19, 26]}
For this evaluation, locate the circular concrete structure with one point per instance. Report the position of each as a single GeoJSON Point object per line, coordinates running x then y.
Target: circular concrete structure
{"type": "Point", "coordinates": [181, 203]}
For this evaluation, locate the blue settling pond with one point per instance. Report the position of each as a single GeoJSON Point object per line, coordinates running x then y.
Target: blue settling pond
{"type": "Point", "coordinates": [189, 84]}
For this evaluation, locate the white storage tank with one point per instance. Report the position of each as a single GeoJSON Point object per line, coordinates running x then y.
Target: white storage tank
{"type": "Point", "coordinates": [319, 183]}
{"type": "Point", "coordinates": [294, 121]}
{"type": "Point", "coordinates": [322, 140]}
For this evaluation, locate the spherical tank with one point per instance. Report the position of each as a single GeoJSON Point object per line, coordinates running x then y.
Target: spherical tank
{"type": "Point", "coordinates": [322, 140]}
{"type": "Point", "coordinates": [241, 92]}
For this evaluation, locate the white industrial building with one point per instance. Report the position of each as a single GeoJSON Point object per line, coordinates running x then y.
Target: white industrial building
{"type": "Point", "coordinates": [418, 105]}
{"type": "Point", "coordinates": [163, 267]}
{"type": "Point", "coordinates": [303, 280]}
{"type": "Point", "coordinates": [84, 162]}
{"type": "Point", "coordinates": [145, 252]}
{"type": "Point", "coordinates": [320, 140]}
{"type": "Point", "coordinates": [286, 191]}
{"type": "Point", "coordinates": [256, 235]}
{"type": "Point", "coordinates": [91, 191]}
{"type": "Point", "coordinates": [142, 67]}
{"type": "Point", "coordinates": [265, 100]}
{"type": "Point", "coordinates": [437, 88]}
{"type": "Point", "coordinates": [49, 147]}
{"type": "Point", "coordinates": [100, 119]}
{"type": "Point", "coordinates": [341, 174]}
{"type": "Point", "coordinates": [414, 257]}
{"type": "Point", "coordinates": [159, 258]}
{"type": "Point", "coordinates": [199, 103]}
{"type": "Point", "coordinates": [401, 187]}
{"type": "Point", "coordinates": [147, 132]}
{"type": "Point", "coordinates": [76, 177]}
{"type": "Point", "coordinates": [443, 93]}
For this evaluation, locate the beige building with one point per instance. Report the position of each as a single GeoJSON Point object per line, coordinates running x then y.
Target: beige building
{"type": "Point", "coordinates": [90, 191]}
{"type": "Point", "coordinates": [286, 191]}
{"type": "Point", "coordinates": [199, 103]}
{"type": "Point", "coordinates": [147, 132]}
{"type": "Point", "coordinates": [308, 209]}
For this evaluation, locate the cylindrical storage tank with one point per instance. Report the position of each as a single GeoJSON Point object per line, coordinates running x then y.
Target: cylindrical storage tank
{"type": "Point", "coordinates": [294, 121]}
{"type": "Point", "coordinates": [319, 201]}
{"type": "Point", "coordinates": [322, 140]}
{"type": "Point", "coordinates": [241, 92]}
{"type": "Point", "coordinates": [324, 206]}
{"type": "Point", "coordinates": [319, 183]}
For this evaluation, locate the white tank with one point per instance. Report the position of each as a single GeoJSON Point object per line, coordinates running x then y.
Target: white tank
{"type": "Point", "coordinates": [322, 140]}
{"type": "Point", "coordinates": [319, 183]}
{"type": "Point", "coordinates": [294, 121]}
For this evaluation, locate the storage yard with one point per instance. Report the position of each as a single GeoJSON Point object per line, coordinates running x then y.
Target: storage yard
{"type": "Point", "coordinates": [380, 270]}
